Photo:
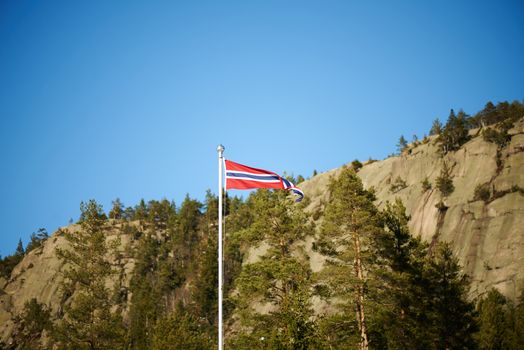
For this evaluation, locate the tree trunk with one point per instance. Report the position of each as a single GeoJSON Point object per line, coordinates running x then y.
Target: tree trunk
{"type": "Point", "coordinates": [360, 295]}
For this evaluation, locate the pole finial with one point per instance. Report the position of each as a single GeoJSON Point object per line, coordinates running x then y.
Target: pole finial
{"type": "Point", "coordinates": [220, 149]}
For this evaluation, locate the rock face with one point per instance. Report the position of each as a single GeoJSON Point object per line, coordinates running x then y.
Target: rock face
{"type": "Point", "coordinates": [486, 235]}
{"type": "Point", "coordinates": [39, 276]}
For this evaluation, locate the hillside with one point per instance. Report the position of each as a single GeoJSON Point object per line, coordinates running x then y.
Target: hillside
{"type": "Point", "coordinates": [486, 235]}
{"type": "Point", "coordinates": [485, 231]}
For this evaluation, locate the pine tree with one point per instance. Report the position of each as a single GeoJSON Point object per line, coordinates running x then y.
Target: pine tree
{"type": "Point", "coordinates": [180, 330]}
{"type": "Point", "coordinates": [451, 315]}
{"type": "Point", "coordinates": [493, 310]}
{"type": "Point", "coordinates": [402, 144]}
{"type": "Point", "coordinates": [117, 210]}
{"type": "Point", "coordinates": [444, 182]}
{"type": "Point", "coordinates": [20, 248]}
{"type": "Point", "coordinates": [436, 127]}
{"type": "Point", "coordinates": [32, 322]}
{"type": "Point", "coordinates": [519, 322]}
{"type": "Point", "coordinates": [406, 323]}
{"type": "Point", "coordinates": [36, 240]}
{"type": "Point", "coordinates": [455, 132]}
{"type": "Point", "coordinates": [205, 291]}
{"type": "Point", "coordinates": [141, 211]}
{"type": "Point", "coordinates": [348, 237]}
{"type": "Point", "coordinates": [89, 322]}
{"type": "Point", "coordinates": [280, 280]}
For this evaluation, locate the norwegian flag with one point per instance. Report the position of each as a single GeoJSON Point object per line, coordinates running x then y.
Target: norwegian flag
{"type": "Point", "coordinates": [242, 177]}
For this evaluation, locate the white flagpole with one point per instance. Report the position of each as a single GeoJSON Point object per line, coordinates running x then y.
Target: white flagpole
{"type": "Point", "coordinates": [220, 150]}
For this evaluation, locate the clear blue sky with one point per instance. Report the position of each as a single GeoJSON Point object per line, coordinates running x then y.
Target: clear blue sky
{"type": "Point", "coordinates": [129, 99]}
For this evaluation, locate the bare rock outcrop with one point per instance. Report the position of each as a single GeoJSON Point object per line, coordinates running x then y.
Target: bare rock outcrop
{"type": "Point", "coordinates": [486, 235]}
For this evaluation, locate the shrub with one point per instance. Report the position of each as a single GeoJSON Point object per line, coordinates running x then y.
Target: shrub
{"type": "Point", "coordinates": [444, 181]}
{"type": "Point", "coordinates": [500, 138]}
{"type": "Point", "coordinates": [356, 164]}
{"type": "Point", "coordinates": [398, 185]}
{"type": "Point", "coordinates": [426, 185]}
{"type": "Point", "coordinates": [482, 192]}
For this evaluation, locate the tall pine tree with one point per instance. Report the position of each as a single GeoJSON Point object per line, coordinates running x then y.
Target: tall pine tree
{"type": "Point", "coordinates": [349, 235]}
{"type": "Point", "coordinates": [89, 322]}
{"type": "Point", "coordinates": [280, 282]}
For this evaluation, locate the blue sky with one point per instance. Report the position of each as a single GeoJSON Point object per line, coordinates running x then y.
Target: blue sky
{"type": "Point", "coordinates": [129, 99]}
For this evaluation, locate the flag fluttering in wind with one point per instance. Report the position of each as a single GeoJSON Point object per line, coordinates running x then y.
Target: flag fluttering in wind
{"type": "Point", "coordinates": [243, 177]}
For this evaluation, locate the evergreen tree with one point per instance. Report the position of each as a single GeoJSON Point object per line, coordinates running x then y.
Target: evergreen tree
{"type": "Point", "coordinates": [141, 211]}
{"type": "Point", "coordinates": [36, 239]}
{"type": "Point", "coordinates": [181, 330]}
{"type": "Point", "coordinates": [32, 322]}
{"type": "Point", "coordinates": [89, 322]}
{"type": "Point", "coordinates": [501, 322]}
{"type": "Point", "coordinates": [280, 280]}
{"type": "Point", "coordinates": [348, 239]}
{"type": "Point", "coordinates": [160, 214]}
{"type": "Point", "coordinates": [493, 313]}
{"type": "Point", "coordinates": [145, 307]}
{"type": "Point", "coordinates": [455, 132]}
{"type": "Point", "coordinates": [20, 248]}
{"type": "Point", "coordinates": [117, 210]}
{"type": "Point", "coordinates": [519, 322]}
{"type": "Point", "coordinates": [205, 291]}
{"type": "Point", "coordinates": [402, 144]}
{"type": "Point", "coordinates": [444, 182]}
{"type": "Point", "coordinates": [436, 127]}
{"type": "Point", "coordinates": [451, 315]}
{"type": "Point", "coordinates": [405, 322]}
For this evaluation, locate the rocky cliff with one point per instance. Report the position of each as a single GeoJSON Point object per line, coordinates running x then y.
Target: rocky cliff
{"type": "Point", "coordinates": [39, 276]}
{"type": "Point", "coordinates": [487, 234]}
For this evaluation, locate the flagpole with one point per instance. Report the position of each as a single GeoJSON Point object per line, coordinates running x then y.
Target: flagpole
{"type": "Point", "coordinates": [220, 150]}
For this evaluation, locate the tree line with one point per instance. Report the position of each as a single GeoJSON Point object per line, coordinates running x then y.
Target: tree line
{"type": "Point", "coordinates": [493, 121]}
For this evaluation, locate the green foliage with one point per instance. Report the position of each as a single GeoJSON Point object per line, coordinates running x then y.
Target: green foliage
{"type": "Point", "coordinates": [20, 248]}
{"type": "Point", "coordinates": [455, 132]}
{"type": "Point", "coordinates": [348, 240]}
{"type": "Point", "coordinates": [402, 144]}
{"type": "Point", "coordinates": [140, 211]}
{"type": "Point", "coordinates": [426, 185]}
{"type": "Point", "coordinates": [450, 314]}
{"type": "Point", "coordinates": [89, 322]}
{"type": "Point", "coordinates": [500, 138]}
{"type": "Point", "coordinates": [397, 185]}
{"type": "Point", "coordinates": [280, 279]}
{"type": "Point", "coordinates": [31, 324]}
{"type": "Point", "coordinates": [444, 182]}
{"type": "Point", "coordinates": [482, 192]}
{"type": "Point", "coordinates": [205, 292]}
{"type": "Point", "coordinates": [436, 127]}
{"type": "Point", "coordinates": [503, 112]}
{"type": "Point", "coordinates": [145, 307]}
{"type": "Point", "coordinates": [117, 210]}
{"type": "Point", "coordinates": [181, 330]}
{"type": "Point", "coordinates": [36, 240]}
{"type": "Point", "coordinates": [495, 322]}
{"type": "Point", "coordinates": [406, 257]}
{"type": "Point", "coordinates": [8, 263]}
{"type": "Point", "coordinates": [356, 165]}
{"type": "Point", "coordinates": [177, 245]}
